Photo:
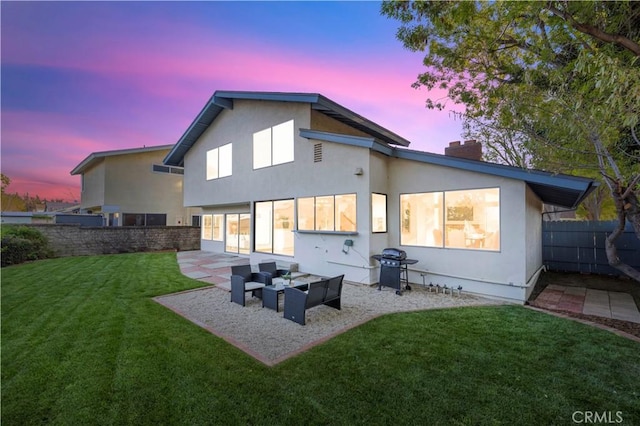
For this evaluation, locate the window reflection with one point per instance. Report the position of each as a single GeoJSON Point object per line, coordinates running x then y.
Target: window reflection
{"type": "Point", "coordinates": [262, 149]}
{"type": "Point", "coordinates": [378, 213]}
{"type": "Point", "coordinates": [274, 145]}
{"type": "Point", "coordinates": [274, 225]}
{"type": "Point", "coordinates": [324, 214]}
{"type": "Point", "coordinates": [207, 230]}
{"type": "Point", "coordinates": [345, 207]}
{"type": "Point", "coordinates": [470, 219]}
{"type": "Point", "coordinates": [219, 162]}
{"type": "Point", "coordinates": [327, 213]}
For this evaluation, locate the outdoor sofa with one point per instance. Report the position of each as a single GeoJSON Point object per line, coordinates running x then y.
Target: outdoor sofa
{"type": "Point", "coordinates": [324, 292]}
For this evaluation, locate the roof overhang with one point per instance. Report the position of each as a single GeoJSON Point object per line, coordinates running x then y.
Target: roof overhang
{"type": "Point", "coordinates": [556, 189]}
{"type": "Point", "coordinates": [96, 157]}
{"type": "Point", "coordinates": [552, 188]}
{"type": "Point", "coordinates": [222, 100]}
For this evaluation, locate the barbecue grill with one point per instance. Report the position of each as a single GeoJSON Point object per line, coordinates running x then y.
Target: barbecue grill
{"type": "Point", "coordinates": [393, 269]}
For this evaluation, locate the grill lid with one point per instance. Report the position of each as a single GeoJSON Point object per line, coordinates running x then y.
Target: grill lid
{"type": "Point", "coordinates": [394, 253]}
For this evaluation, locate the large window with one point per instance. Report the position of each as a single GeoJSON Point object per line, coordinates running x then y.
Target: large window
{"type": "Point", "coordinates": [378, 212]}
{"type": "Point", "coordinates": [238, 230]}
{"type": "Point", "coordinates": [273, 146]}
{"type": "Point", "coordinates": [212, 227]}
{"type": "Point", "coordinates": [219, 161]}
{"type": "Point", "coordinates": [327, 213]}
{"type": "Point", "coordinates": [468, 219]}
{"type": "Point", "coordinates": [274, 223]}
{"type": "Point", "coordinates": [144, 219]}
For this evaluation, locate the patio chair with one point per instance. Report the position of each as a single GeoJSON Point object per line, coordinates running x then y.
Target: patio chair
{"type": "Point", "coordinates": [243, 280]}
{"type": "Point", "coordinates": [272, 269]}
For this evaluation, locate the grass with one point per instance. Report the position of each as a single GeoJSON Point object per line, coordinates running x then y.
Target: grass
{"type": "Point", "coordinates": [83, 343]}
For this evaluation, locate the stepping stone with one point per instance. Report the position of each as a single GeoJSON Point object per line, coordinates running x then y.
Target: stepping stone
{"type": "Point", "coordinates": [197, 274]}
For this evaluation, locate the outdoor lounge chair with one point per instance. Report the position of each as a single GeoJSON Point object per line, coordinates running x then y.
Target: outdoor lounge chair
{"type": "Point", "coordinates": [271, 268]}
{"type": "Point", "coordinates": [243, 280]}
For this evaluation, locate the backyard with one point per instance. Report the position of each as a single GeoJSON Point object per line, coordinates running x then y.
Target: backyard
{"type": "Point", "coordinates": [83, 343]}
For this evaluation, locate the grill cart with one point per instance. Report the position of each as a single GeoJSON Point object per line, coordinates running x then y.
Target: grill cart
{"type": "Point", "coordinates": [393, 269]}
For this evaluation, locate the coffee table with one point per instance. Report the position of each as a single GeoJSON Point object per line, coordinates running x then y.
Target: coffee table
{"type": "Point", "coordinates": [271, 293]}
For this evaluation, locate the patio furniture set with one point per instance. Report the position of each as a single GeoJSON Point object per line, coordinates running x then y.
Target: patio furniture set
{"type": "Point", "coordinates": [269, 283]}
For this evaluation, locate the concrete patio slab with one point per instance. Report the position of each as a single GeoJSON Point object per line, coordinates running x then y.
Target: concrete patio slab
{"type": "Point", "coordinates": [602, 303]}
{"type": "Point", "coordinates": [197, 274]}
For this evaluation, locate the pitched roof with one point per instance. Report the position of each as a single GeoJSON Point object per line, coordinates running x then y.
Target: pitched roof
{"type": "Point", "coordinates": [557, 189]}
{"type": "Point", "coordinates": [552, 188]}
{"type": "Point", "coordinates": [96, 157]}
{"type": "Point", "coordinates": [222, 99]}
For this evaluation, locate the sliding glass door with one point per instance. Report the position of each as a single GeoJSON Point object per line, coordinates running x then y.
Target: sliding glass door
{"type": "Point", "coordinates": [238, 233]}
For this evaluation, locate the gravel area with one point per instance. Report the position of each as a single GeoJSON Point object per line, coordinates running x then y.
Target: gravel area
{"type": "Point", "coordinates": [264, 333]}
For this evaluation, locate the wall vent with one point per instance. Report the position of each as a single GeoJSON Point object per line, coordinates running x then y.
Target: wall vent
{"type": "Point", "coordinates": [317, 153]}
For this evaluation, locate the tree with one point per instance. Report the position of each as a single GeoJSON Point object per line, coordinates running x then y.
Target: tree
{"type": "Point", "coordinates": [6, 181]}
{"type": "Point", "coordinates": [562, 76]}
{"type": "Point", "coordinates": [10, 202]}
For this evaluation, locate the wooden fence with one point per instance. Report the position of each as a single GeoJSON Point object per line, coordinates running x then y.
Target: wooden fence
{"type": "Point", "coordinates": [578, 246]}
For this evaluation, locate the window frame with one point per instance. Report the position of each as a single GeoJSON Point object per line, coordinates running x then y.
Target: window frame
{"type": "Point", "coordinates": [445, 220]}
{"type": "Point", "coordinates": [145, 217]}
{"type": "Point", "coordinates": [219, 168]}
{"type": "Point", "coordinates": [274, 143]}
{"type": "Point", "coordinates": [239, 217]}
{"type": "Point", "coordinates": [273, 226]}
{"type": "Point", "coordinates": [335, 213]}
{"type": "Point", "coordinates": [386, 213]}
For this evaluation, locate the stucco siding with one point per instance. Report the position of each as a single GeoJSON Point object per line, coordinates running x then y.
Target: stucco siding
{"type": "Point", "coordinates": [533, 238]}
{"type": "Point", "coordinates": [345, 169]}
{"type": "Point", "coordinates": [128, 176]}
{"type": "Point", "coordinates": [324, 123]}
{"type": "Point", "coordinates": [237, 127]}
{"type": "Point", "coordinates": [93, 186]}
{"type": "Point", "coordinates": [498, 273]}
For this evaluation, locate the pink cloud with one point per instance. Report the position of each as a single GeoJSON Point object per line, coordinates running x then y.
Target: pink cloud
{"type": "Point", "coordinates": [196, 58]}
{"type": "Point", "coordinates": [44, 147]}
{"type": "Point", "coordinates": [153, 86]}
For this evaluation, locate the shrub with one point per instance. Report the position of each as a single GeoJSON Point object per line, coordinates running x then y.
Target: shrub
{"type": "Point", "coordinates": [21, 244]}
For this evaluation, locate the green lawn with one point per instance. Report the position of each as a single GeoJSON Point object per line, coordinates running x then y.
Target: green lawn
{"type": "Point", "coordinates": [83, 343]}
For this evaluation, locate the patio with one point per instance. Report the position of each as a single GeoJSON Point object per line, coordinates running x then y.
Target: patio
{"type": "Point", "coordinates": [263, 333]}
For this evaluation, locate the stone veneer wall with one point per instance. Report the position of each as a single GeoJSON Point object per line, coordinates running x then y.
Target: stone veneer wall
{"type": "Point", "coordinates": [75, 240]}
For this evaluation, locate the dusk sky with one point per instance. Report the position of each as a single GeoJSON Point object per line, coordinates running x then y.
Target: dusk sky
{"type": "Point", "coordinates": [81, 77]}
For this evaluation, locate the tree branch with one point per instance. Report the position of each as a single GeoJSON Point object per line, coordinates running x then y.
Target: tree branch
{"type": "Point", "coordinates": [595, 32]}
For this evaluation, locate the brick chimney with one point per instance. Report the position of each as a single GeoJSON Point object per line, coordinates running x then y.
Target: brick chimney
{"type": "Point", "coordinates": [471, 150]}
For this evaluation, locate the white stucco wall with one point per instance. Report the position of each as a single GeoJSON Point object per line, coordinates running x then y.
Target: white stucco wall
{"type": "Point", "coordinates": [93, 187]}
{"type": "Point", "coordinates": [496, 273]}
{"type": "Point", "coordinates": [502, 274]}
{"type": "Point", "coordinates": [533, 238]}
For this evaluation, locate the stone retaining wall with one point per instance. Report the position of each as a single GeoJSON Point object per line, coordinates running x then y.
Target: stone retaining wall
{"type": "Point", "coordinates": [75, 240]}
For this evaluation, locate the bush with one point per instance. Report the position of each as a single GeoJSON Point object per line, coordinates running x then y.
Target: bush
{"type": "Point", "coordinates": [21, 244]}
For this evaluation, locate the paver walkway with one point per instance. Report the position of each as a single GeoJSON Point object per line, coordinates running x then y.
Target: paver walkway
{"type": "Point", "coordinates": [209, 267]}
{"type": "Point", "coordinates": [608, 304]}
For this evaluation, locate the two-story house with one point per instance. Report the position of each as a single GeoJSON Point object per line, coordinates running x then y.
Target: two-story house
{"type": "Point", "coordinates": [132, 187]}
{"type": "Point", "coordinates": [297, 177]}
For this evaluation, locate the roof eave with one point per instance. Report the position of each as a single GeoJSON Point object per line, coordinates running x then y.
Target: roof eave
{"type": "Point", "coordinates": [223, 99]}
{"type": "Point", "coordinates": [94, 157]}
